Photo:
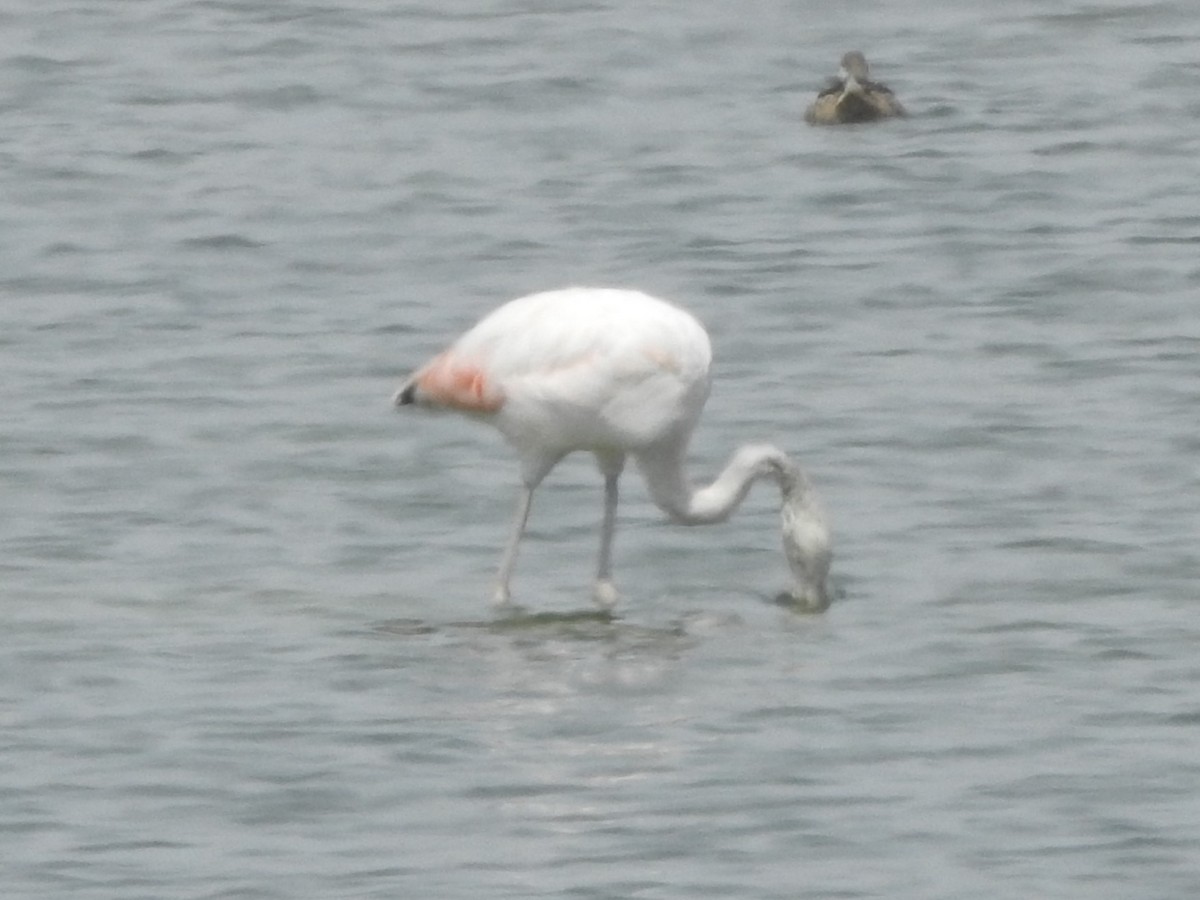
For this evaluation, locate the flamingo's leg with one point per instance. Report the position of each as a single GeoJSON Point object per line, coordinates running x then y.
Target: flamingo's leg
{"type": "Point", "coordinates": [524, 502]}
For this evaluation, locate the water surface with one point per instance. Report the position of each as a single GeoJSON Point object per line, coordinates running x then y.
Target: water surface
{"type": "Point", "coordinates": [247, 649]}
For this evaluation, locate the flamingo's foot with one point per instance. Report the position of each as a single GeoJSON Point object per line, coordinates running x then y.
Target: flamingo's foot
{"type": "Point", "coordinates": [605, 595]}
{"type": "Point", "coordinates": [502, 598]}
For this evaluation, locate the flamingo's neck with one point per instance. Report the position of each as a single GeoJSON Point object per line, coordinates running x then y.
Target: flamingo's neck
{"type": "Point", "coordinates": [715, 503]}
{"type": "Point", "coordinates": [806, 540]}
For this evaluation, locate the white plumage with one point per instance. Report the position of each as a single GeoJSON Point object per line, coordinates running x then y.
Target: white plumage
{"type": "Point", "coordinates": [620, 374]}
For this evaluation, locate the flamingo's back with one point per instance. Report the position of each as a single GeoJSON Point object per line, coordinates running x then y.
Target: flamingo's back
{"type": "Point", "coordinates": [606, 370]}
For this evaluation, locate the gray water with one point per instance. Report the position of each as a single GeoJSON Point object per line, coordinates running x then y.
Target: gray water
{"type": "Point", "coordinates": [247, 651]}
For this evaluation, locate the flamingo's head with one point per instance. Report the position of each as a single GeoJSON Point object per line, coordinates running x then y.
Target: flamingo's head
{"type": "Point", "coordinates": [807, 545]}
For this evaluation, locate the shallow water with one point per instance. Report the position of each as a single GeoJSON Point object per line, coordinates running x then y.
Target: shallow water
{"type": "Point", "coordinates": [248, 651]}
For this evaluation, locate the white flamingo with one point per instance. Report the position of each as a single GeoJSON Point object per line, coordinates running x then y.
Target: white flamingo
{"type": "Point", "coordinates": [621, 374]}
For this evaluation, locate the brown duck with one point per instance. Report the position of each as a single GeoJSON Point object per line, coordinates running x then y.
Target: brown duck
{"type": "Point", "coordinates": [851, 97]}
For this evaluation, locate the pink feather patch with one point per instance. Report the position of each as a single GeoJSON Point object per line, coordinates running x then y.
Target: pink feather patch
{"type": "Point", "coordinates": [456, 385]}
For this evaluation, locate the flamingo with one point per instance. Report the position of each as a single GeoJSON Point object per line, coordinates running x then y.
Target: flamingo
{"type": "Point", "coordinates": [620, 374]}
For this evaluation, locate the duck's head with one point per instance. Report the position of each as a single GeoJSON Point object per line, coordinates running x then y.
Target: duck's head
{"type": "Point", "coordinates": [854, 68]}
